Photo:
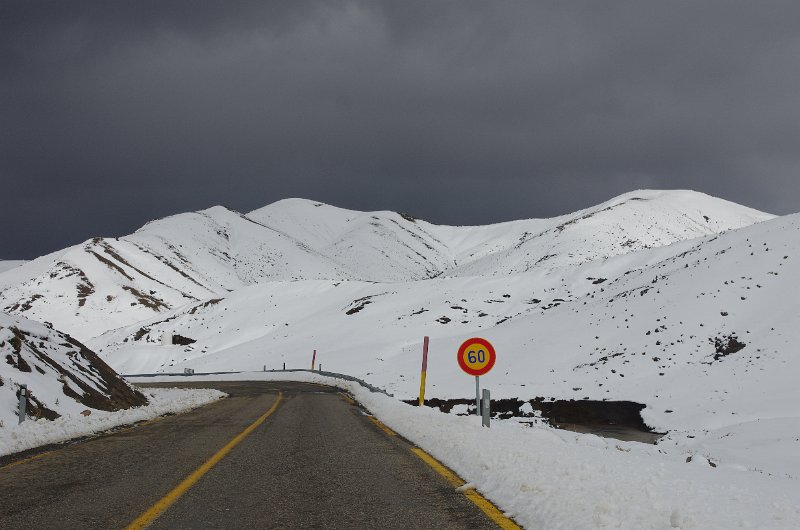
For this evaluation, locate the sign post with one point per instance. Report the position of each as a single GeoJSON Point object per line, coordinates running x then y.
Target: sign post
{"type": "Point", "coordinates": [487, 401]}
{"type": "Point", "coordinates": [424, 371]}
{"type": "Point", "coordinates": [313, 360]}
{"type": "Point", "coordinates": [23, 402]}
{"type": "Point", "coordinates": [477, 395]}
{"type": "Point", "coordinates": [476, 357]}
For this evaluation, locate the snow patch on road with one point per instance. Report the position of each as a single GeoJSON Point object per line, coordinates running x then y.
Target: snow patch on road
{"type": "Point", "coordinates": [16, 438]}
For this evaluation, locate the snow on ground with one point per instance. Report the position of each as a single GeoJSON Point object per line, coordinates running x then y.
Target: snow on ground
{"type": "Point", "coordinates": [546, 478]}
{"type": "Point", "coordinates": [8, 264]}
{"type": "Point", "coordinates": [34, 433]}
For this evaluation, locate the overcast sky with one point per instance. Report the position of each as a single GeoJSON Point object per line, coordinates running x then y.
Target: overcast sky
{"type": "Point", "coordinates": [458, 112]}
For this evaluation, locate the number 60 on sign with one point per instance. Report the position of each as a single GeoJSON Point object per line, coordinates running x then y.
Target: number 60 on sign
{"type": "Point", "coordinates": [476, 356]}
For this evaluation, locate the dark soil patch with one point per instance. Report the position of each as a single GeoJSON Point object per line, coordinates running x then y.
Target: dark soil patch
{"type": "Point", "coordinates": [141, 333]}
{"type": "Point", "coordinates": [583, 415]}
{"type": "Point", "coordinates": [84, 291]}
{"type": "Point", "coordinates": [356, 309]}
{"type": "Point", "coordinates": [24, 306]}
{"type": "Point", "coordinates": [146, 299]}
{"type": "Point", "coordinates": [358, 304]}
{"type": "Point", "coordinates": [180, 340]}
{"type": "Point", "coordinates": [110, 264]}
{"type": "Point", "coordinates": [213, 301]}
{"type": "Point", "coordinates": [726, 345]}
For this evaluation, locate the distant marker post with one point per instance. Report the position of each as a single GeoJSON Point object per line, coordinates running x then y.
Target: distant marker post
{"type": "Point", "coordinates": [424, 371]}
{"type": "Point", "coordinates": [313, 360]}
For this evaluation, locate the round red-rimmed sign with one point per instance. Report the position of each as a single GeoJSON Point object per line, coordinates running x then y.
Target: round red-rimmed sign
{"type": "Point", "coordinates": [476, 356]}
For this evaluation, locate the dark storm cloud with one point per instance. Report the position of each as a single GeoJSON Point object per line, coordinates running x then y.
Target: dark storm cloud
{"type": "Point", "coordinates": [460, 112]}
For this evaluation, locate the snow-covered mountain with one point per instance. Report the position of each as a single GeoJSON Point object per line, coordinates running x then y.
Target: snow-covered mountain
{"type": "Point", "coordinates": [169, 264]}
{"type": "Point", "coordinates": [628, 223]}
{"type": "Point", "coordinates": [61, 374]}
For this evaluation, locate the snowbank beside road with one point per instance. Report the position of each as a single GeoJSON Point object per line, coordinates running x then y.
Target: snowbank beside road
{"type": "Point", "coordinates": [16, 438]}
{"type": "Point", "coordinates": [545, 478]}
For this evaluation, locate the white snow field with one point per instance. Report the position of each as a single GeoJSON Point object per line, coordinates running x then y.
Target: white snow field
{"type": "Point", "coordinates": [546, 478]}
{"type": "Point", "coordinates": [673, 299]}
{"type": "Point", "coordinates": [8, 264]}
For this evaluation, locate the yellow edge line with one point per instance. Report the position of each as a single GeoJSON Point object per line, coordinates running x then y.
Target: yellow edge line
{"type": "Point", "coordinates": [169, 499]}
{"type": "Point", "coordinates": [477, 499]}
{"type": "Point", "coordinates": [25, 460]}
{"type": "Point", "coordinates": [381, 426]}
{"type": "Point", "coordinates": [137, 425]}
{"type": "Point", "coordinates": [40, 455]}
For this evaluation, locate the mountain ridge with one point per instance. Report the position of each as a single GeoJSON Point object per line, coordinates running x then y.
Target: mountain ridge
{"type": "Point", "coordinates": [105, 283]}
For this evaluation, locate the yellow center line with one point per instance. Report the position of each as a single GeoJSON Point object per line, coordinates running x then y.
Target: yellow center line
{"type": "Point", "coordinates": [169, 499]}
{"type": "Point", "coordinates": [477, 499]}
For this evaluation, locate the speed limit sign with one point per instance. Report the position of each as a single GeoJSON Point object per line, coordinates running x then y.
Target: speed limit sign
{"type": "Point", "coordinates": [476, 356]}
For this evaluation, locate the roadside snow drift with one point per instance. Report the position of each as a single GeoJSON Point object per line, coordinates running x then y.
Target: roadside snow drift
{"type": "Point", "coordinates": [161, 401]}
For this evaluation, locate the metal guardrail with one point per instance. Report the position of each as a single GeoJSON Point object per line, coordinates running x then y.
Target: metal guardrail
{"type": "Point", "coordinates": [335, 375]}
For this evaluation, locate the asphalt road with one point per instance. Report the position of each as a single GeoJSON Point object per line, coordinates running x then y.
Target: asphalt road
{"type": "Point", "coordinates": [316, 462]}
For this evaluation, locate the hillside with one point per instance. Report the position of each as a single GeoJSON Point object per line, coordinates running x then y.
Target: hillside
{"type": "Point", "coordinates": [106, 283]}
{"type": "Point", "coordinates": [62, 375]}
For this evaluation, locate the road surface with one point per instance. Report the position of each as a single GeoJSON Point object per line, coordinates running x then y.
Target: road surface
{"type": "Point", "coordinates": [311, 459]}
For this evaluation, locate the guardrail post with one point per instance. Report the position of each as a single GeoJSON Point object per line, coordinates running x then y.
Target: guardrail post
{"type": "Point", "coordinates": [486, 406]}
{"type": "Point", "coordinates": [23, 402]}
